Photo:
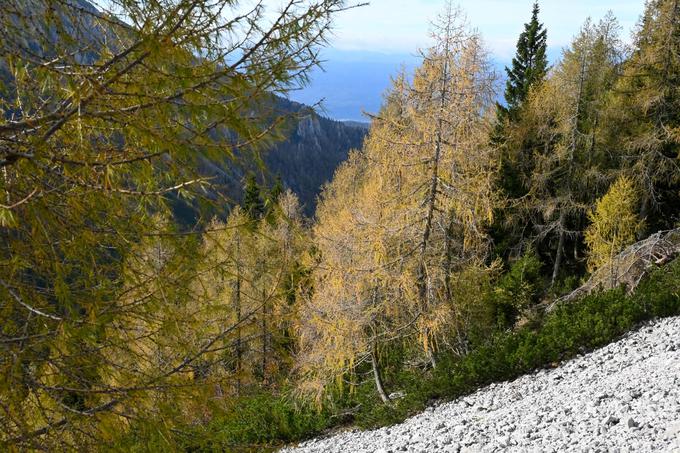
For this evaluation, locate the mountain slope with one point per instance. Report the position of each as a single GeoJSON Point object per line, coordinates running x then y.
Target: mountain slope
{"type": "Point", "coordinates": [623, 397]}
{"type": "Point", "coordinates": [305, 160]}
{"type": "Point", "coordinates": [312, 152]}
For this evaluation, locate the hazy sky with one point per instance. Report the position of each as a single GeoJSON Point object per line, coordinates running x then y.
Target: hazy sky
{"type": "Point", "coordinates": [401, 26]}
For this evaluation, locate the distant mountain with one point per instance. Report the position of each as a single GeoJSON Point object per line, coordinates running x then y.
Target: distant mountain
{"type": "Point", "coordinates": [309, 157]}
{"type": "Point", "coordinates": [352, 82]}
{"type": "Point", "coordinates": [305, 160]}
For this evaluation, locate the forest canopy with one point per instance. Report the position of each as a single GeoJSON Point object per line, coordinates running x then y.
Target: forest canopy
{"type": "Point", "coordinates": [467, 209]}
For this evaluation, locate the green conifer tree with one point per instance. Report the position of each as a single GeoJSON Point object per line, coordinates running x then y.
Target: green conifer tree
{"type": "Point", "coordinates": [252, 198]}
{"type": "Point", "coordinates": [529, 66]}
{"type": "Point", "coordinates": [276, 190]}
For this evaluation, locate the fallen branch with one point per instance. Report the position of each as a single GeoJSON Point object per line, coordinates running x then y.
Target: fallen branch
{"type": "Point", "coordinates": [629, 267]}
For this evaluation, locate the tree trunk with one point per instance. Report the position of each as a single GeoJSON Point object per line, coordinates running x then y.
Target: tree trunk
{"type": "Point", "coordinates": [560, 250]}
{"type": "Point", "coordinates": [434, 184]}
{"type": "Point", "coordinates": [378, 378]}
{"type": "Point", "coordinates": [237, 309]}
{"type": "Point", "coordinates": [431, 358]}
{"type": "Point", "coordinates": [644, 207]}
{"type": "Point", "coordinates": [265, 337]}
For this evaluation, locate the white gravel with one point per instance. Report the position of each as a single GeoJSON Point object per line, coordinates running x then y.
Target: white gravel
{"type": "Point", "coordinates": [624, 397]}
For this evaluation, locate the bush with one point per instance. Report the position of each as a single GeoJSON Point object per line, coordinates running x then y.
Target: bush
{"type": "Point", "coordinates": [256, 422]}
{"type": "Point", "coordinates": [517, 290]}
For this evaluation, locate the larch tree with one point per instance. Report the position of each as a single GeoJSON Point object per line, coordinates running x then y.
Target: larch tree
{"type": "Point", "coordinates": [227, 268]}
{"type": "Point", "coordinates": [643, 115]}
{"type": "Point", "coordinates": [105, 114]}
{"type": "Point", "coordinates": [614, 224]}
{"type": "Point", "coordinates": [250, 273]}
{"type": "Point", "coordinates": [342, 320]}
{"type": "Point", "coordinates": [280, 241]}
{"type": "Point", "coordinates": [451, 100]}
{"type": "Point", "coordinates": [404, 216]}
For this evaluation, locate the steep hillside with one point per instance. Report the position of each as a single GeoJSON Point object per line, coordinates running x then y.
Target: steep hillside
{"type": "Point", "coordinates": [305, 160]}
{"type": "Point", "coordinates": [312, 152]}
{"type": "Point", "coordinates": [623, 397]}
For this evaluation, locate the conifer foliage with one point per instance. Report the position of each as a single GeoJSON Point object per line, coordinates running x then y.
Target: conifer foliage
{"type": "Point", "coordinates": [615, 223]}
{"type": "Point", "coordinates": [529, 66]}
{"type": "Point", "coordinates": [451, 224]}
{"type": "Point", "coordinates": [107, 110]}
{"type": "Point", "coordinates": [645, 114]}
{"type": "Point", "coordinates": [404, 218]}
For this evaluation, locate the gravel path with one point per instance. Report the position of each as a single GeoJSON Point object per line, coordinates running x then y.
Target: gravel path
{"type": "Point", "coordinates": [624, 397]}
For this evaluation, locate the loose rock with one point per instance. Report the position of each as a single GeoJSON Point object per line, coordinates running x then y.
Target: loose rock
{"type": "Point", "coordinates": [575, 407]}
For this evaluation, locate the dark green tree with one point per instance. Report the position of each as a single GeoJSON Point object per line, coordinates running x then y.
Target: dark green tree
{"type": "Point", "coordinates": [276, 190]}
{"type": "Point", "coordinates": [252, 198]}
{"type": "Point", "coordinates": [529, 66]}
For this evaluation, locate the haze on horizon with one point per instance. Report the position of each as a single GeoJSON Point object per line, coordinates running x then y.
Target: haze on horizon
{"type": "Point", "coordinates": [401, 26]}
{"type": "Point", "coordinates": [372, 42]}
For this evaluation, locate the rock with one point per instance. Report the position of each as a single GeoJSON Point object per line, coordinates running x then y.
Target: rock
{"type": "Point", "coordinates": [609, 421]}
{"type": "Point", "coordinates": [673, 430]}
{"type": "Point", "coordinates": [632, 423]}
{"type": "Point", "coordinates": [397, 395]}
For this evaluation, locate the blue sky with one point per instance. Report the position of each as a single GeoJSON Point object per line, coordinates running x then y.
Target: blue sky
{"type": "Point", "coordinates": [371, 43]}
{"type": "Point", "coordinates": [401, 26]}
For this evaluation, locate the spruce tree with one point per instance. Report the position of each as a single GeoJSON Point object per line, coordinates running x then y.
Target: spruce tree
{"type": "Point", "coordinates": [271, 200]}
{"type": "Point", "coordinates": [529, 66]}
{"type": "Point", "coordinates": [277, 189]}
{"type": "Point", "coordinates": [252, 199]}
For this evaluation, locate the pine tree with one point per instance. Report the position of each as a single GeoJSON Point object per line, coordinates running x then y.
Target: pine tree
{"type": "Point", "coordinates": [253, 204]}
{"type": "Point", "coordinates": [529, 66]}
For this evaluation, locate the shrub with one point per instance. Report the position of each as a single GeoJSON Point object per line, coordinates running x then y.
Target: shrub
{"type": "Point", "coordinates": [517, 290]}
{"type": "Point", "coordinates": [261, 421]}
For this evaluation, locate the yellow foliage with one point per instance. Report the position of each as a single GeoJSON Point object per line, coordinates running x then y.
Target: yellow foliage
{"type": "Point", "coordinates": [403, 215]}
{"type": "Point", "coordinates": [615, 223]}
